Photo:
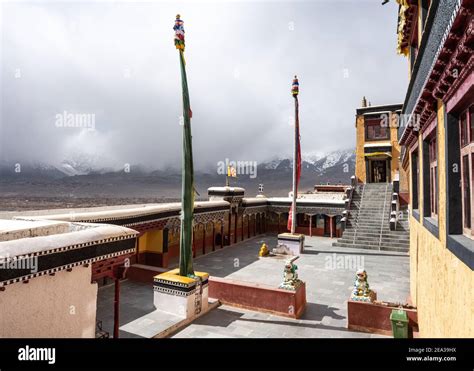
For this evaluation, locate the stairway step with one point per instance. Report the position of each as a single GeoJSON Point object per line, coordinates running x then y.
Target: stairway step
{"type": "Point", "coordinates": [370, 241]}
{"type": "Point", "coordinates": [351, 232]}
{"type": "Point", "coordinates": [371, 247]}
{"type": "Point", "coordinates": [374, 239]}
{"type": "Point", "coordinates": [396, 249]}
{"type": "Point", "coordinates": [371, 225]}
{"type": "Point", "coordinates": [354, 246]}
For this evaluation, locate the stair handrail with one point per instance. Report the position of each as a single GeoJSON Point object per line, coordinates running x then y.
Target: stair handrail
{"type": "Point", "coordinates": [383, 216]}
{"type": "Point", "coordinates": [394, 211]}
{"type": "Point", "coordinates": [347, 209]}
{"type": "Point", "coordinates": [395, 203]}
{"type": "Point", "coordinates": [358, 214]}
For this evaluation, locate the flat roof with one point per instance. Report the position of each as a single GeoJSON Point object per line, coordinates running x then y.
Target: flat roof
{"type": "Point", "coordinates": [74, 234]}
{"type": "Point", "coordinates": [15, 229]}
{"type": "Point", "coordinates": [383, 108]}
{"type": "Point", "coordinates": [112, 213]}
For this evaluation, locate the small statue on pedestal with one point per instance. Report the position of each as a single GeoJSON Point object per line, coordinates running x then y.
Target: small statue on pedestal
{"type": "Point", "coordinates": [290, 277]}
{"type": "Point", "coordinates": [263, 250]}
{"type": "Point", "coordinates": [362, 291]}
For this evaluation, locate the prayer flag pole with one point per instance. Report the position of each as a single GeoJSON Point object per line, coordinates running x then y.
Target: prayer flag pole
{"type": "Point", "coordinates": [296, 158]}
{"type": "Point", "coordinates": [187, 191]}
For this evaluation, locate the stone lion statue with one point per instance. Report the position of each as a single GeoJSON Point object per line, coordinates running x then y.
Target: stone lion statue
{"type": "Point", "coordinates": [361, 290]}
{"type": "Point", "coordinates": [290, 277]}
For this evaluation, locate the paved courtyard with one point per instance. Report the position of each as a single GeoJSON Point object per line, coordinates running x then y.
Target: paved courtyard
{"type": "Point", "coordinates": [329, 274]}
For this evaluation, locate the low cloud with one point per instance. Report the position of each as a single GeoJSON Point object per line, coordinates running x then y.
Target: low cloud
{"type": "Point", "coordinates": [116, 60]}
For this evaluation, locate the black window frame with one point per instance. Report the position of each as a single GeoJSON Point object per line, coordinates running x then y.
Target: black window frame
{"type": "Point", "coordinates": [415, 177]}
{"type": "Point", "coordinates": [371, 122]}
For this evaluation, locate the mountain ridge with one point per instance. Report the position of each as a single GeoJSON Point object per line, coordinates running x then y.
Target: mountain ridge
{"type": "Point", "coordinates": [77, 179]}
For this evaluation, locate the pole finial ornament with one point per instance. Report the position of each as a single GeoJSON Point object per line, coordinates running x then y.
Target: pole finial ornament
{"type": "Point", "coordinates": [295, 87]}
{"type": "Point", "coordinates": [178, 33]}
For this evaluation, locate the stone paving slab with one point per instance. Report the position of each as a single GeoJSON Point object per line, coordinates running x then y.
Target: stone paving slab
{"type": "Point", "coordinates": [151, 324]}
{"type": "Point", "coordinates": [328, 288]}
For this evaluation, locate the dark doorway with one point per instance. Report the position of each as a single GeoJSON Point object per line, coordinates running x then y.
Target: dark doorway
{"type": "Point", "coordinates": [218, 239]}
{"type": "Point", "coordinates": [327, 227]}
{"type": "Point", "coordinates": [378, 171]}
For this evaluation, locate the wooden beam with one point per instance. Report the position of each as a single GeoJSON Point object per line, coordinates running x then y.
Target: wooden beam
{"type": "Point", "coordinates": [330, 225]}
{"type": "Point", "coordinates": [248, 226]}
{"type": "Point", "coordinates": [117, 308]}
{"type": "Point", "coordinates": [310, 225]}
{"type": "Point", "coordinates": [235, 227]}
{"type": "Point", "coordinates": [222, 234]}
{"type": "Point", "coordinates": [213, 236]}
{"type": "Point", "coordinates": [204, 240]}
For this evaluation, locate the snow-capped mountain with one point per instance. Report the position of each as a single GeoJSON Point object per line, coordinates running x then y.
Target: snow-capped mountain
{"type": "Point", "coordinates": [314, 161]}
{"type": "Point", "coordinates": [82, 177]}
{"type": "Point", "coordinates": [273, 164]}
{"type": "Point", "coordinates": [334, 158]}
{"type": "Point", "coordinates": [317, 168]}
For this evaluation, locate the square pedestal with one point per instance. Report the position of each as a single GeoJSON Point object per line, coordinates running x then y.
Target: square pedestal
{"type": "Point", "coordinates": [181, 296]}
{"type": "Point", "coordinates": [293, 242]}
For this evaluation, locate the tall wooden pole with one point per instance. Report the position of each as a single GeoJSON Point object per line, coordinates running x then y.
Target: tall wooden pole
{"type": "Point", "coordinates": [186, 244]}
{"type": "Point", "coordinates": [295, 155]}
{"type": "Point", "coordinates": [116, 308]}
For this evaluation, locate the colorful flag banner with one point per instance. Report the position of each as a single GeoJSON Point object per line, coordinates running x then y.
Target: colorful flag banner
{"type": "Point", "coordinates": [231, 172]}
{"type": "Point", "coordinates": [178, 33]}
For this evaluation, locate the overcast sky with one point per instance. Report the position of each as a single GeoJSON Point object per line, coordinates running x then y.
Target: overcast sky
{"type": "Point", "coordinates": [117, 61]}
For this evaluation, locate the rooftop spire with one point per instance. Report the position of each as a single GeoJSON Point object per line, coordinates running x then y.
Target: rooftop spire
{"type": "Point", "coordinates": [364, 102]}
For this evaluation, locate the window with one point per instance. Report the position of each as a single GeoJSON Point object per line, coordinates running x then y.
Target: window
{"type": "Point", "coordinates": [433, 155]}
{"type": "Point", "coordinates": [471, 120]}
{"type": "Point", "coordinates": [374, 130]}
{"type": "Point", "coordinates": [302, 220]}
{"type": "Point", "coordinates": [464, 130]}
{"type": "Point", "coordinates": [466, 185]}
{"type": "Point", "coordinates": [414, 179]}
{"type": "Point", "coordinates": [466, 139]}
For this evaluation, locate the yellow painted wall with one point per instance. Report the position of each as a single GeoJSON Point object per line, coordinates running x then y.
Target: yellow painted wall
{"type": "Point", "coordinates": [441, 143]}
{"type": "Point", "coordinates": [394, 166]}
{"type": "Point", "coordinates": [360, 141]}
{"type": "Point", "coordinates": [441, 286]}
{"type": "Point", "coordinates": [404, 179]}
{"type": "Point", "coordinates": [151, 241]}
{"type": "Point", "coordinates": [360, 171]}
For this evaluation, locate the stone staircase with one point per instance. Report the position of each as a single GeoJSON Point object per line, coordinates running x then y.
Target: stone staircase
{"type": "Point", "coordinates": [368, 224]}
